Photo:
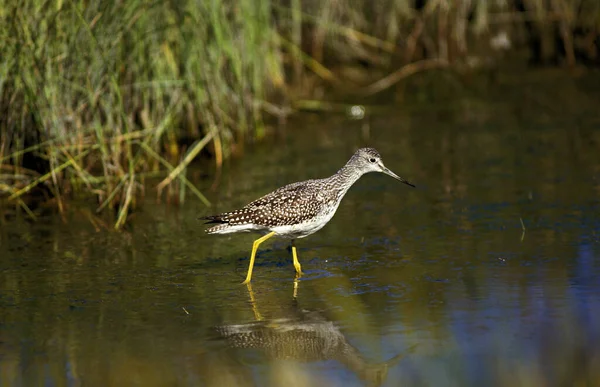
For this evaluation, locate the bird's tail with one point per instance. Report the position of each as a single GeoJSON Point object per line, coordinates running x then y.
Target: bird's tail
{"type": "Point", "coordinates": [221, 224]}
{"type": "Point", "coordinates": [213, 219]}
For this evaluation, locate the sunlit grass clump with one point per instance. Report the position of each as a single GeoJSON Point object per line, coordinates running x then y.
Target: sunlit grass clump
{"type": "Point", "coordinates": [101, 94]}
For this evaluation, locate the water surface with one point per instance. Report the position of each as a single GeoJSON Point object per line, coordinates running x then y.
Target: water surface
{"type": "Point", "coordinates": [434, 286]}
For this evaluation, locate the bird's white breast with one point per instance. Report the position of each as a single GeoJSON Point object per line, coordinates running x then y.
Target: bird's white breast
{"type": "Point", "coordinates": [311, 226]}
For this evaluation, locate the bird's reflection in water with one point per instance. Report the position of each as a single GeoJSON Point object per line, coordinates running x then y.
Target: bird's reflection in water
{"type": "Point", "coordinates": [304, 336]}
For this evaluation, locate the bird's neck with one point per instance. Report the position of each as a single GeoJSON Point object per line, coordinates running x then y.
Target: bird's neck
{"type": "Point", "coordinates": [347, 176]}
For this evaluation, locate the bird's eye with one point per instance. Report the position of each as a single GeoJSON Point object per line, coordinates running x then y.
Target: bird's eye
{"type": "Point", "coordinates": [372, 160]}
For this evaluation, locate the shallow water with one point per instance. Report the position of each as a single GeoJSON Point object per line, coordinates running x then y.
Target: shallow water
{"type": "Point", "coordinates": [441, 279]}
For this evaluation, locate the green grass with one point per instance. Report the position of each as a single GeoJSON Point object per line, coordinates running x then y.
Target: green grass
{"type": "Point", "coordinates": [104, 92]}
{"type": "Point", "coordinates": [97, 96]}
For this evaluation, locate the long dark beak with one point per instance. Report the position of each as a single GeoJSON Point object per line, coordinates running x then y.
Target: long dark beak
{"type": "Point", "coordinates": [392, 174]}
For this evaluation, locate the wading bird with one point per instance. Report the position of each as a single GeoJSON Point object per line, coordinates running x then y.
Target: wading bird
{"type": "Point", "coordinates": [300, 209]}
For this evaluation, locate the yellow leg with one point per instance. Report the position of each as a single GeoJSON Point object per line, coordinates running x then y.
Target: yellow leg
{"type": "Point", "coordinates": [254, 248]}
{"type": "Point", "coordinates": [296, 262]}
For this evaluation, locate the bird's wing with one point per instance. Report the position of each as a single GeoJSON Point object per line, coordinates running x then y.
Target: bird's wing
{"type": "Point", "coordinates": [290, 204]}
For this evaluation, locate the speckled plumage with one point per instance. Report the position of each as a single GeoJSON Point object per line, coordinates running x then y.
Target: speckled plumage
{"type": "Point", "coordinates": [298, 209]}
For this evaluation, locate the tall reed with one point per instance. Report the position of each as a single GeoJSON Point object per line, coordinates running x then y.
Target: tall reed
{"type": "Point", "coordinates": [100, 94]}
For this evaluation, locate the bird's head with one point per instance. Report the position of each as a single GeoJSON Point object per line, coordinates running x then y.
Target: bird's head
{"type": "Point", "coordinates": [369, 160]}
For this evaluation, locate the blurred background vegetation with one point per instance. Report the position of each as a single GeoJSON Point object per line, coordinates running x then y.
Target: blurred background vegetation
{"type": "Point", "coordinates": [97, 97]}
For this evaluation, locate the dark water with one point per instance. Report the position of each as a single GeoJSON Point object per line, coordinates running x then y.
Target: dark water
{"type": "Point", "coordinates": [433, 286]}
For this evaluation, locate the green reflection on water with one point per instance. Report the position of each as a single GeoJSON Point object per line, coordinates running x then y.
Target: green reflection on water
{"type": "Point", "coordinates": [442, 275]}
